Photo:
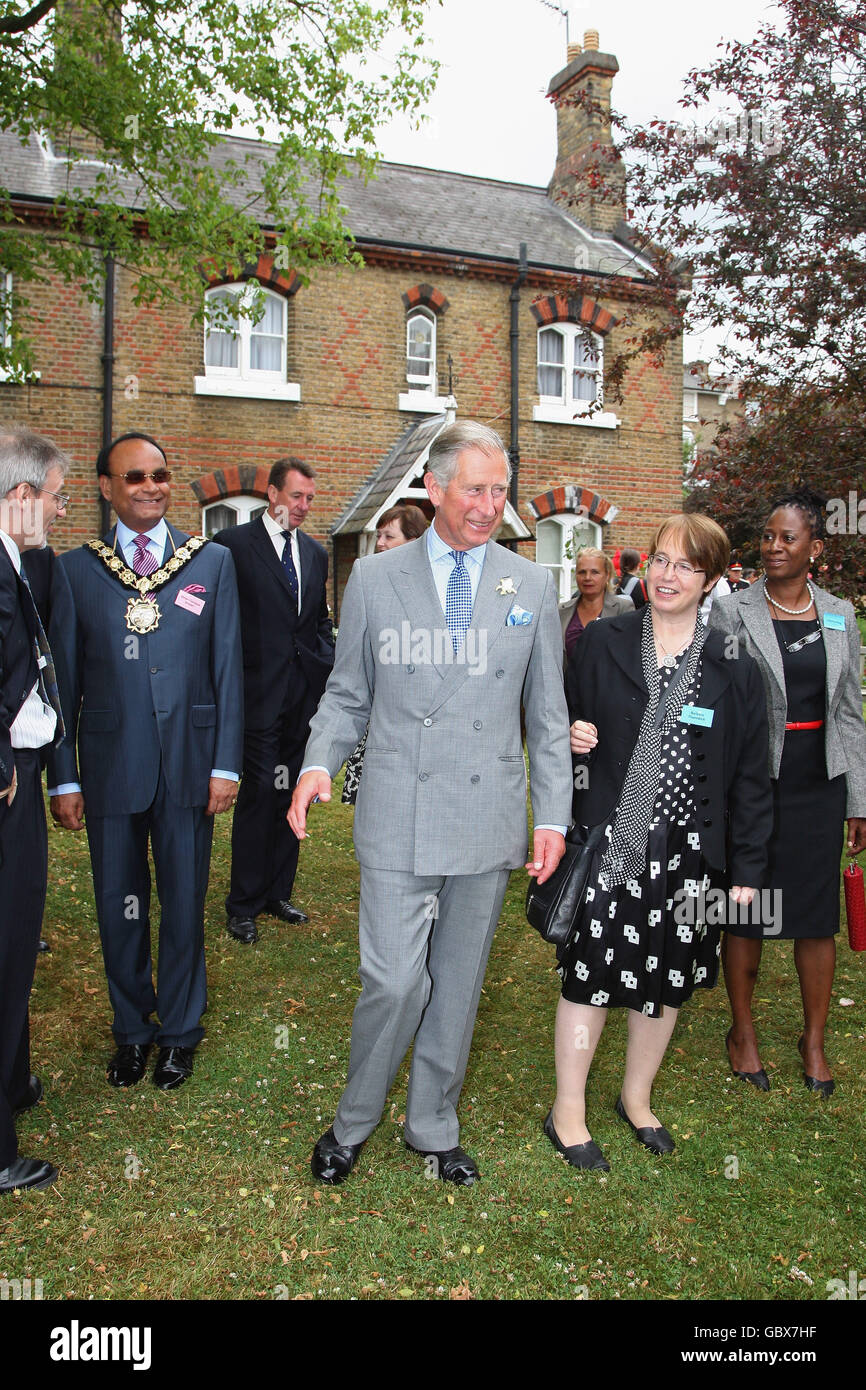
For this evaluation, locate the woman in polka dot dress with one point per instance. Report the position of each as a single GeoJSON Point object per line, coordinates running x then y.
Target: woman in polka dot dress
{"type": "Point", "coordinates": [669, 734]}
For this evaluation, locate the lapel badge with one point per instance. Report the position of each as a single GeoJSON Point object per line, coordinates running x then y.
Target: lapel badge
{"type": "Point", "coordinates": [506, 586]}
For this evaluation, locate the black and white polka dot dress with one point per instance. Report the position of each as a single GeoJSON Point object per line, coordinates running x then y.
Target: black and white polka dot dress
{"type": "Point", "coordinates": [645, 943]}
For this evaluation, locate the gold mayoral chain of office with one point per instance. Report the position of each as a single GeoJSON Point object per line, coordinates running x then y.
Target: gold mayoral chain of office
{"type": "Point", "coordinates": [142, 612]}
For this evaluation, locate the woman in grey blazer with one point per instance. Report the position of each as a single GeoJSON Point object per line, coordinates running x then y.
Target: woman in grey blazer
{"type": "Point", "coordinates": [807, 644]}
{"type": "Point", "coordinates": [593, 598]}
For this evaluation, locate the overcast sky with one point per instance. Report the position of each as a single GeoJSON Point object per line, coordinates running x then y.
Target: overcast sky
{"type": "Point", "coordinates": [489, 115]}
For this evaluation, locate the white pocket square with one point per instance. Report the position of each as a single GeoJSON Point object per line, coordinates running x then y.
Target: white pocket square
{"type": "Point", "coordinates": [519, 617]}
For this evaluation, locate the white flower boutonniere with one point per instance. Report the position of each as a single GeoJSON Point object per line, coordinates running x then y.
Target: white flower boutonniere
{"type": "Point", "coordinates": [506, 586]}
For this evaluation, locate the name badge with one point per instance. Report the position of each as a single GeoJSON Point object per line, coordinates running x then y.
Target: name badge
{"type": "Point", "coordinates": [696, 714]}
{"type": "Point", "coordinates": [835, 620]}
{"type": "Point", "coordinates": [189, 602]}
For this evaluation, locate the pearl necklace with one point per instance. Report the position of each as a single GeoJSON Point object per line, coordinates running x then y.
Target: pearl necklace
{"type": "Point", "coordinates": [793, 612]}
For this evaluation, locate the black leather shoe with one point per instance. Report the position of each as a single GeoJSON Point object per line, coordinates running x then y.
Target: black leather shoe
{"type": "Point", "coordinates": [759, 1079]}
{"type": "Point", "coordinates": [27, 1172]}
{"type": "Point", "coordinates": [452, 1165]}
{"type": "Point", "coordinates": [587, 1155]}
{"type": "Point", "coordinates": [332, 1162]}
{"type": "Point", "coordinates": [286, 912]}
{"type": "Point", "coordinates": [658, 1141]}
{"type": "Point", "coordinates": [173, 1067]}
{"type": "Point", "coordinates": [824, 1089]}
{"type": "Point", "coordinates": [243, 929]}
{"type": "Point", "coordinates": [32, 1096]}
{"type": "Point", "coordinates": [126, 1067]}
{"type": "Point", "coordinates": [43, 945]}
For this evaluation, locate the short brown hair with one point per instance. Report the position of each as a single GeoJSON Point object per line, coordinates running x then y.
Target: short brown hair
{"type": "Point", "coordinates": [277, 475]}
{"type": "Point", "coordinates": [703, 541]}
{"type": "Point", "coordinates": [411, 520]}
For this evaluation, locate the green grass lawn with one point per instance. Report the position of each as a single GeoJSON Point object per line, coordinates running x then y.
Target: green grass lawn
{"type": "Point", "coordinates": [207, 1193]}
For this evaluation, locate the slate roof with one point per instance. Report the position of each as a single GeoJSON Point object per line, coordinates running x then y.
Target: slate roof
{"type": "Point", "coordinates": [406, 454]}
{"type": "Point", "coordinates": [404, 205]}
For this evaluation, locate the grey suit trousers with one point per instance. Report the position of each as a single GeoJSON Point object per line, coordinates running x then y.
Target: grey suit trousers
{"type": "Point", "coordinates": [424, 944]}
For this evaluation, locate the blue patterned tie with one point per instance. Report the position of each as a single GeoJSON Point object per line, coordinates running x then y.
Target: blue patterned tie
{"type": "Point", "coordinates": [458, 599]}
{"type": "Point", "coordinates": [289, 566]}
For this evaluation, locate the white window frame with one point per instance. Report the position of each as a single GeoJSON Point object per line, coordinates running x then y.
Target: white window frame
{"type": "Point", "coordinates": [244, 380]}
{"type": "Point", "coordinates": [6, 373]}
{"type": "Point", "coordinates": [564, 409]}
{"type": "Point", "coordinates": [582, 532]}
{"type": "Point", "coordinates": [246, 506]}
{"type": "Point", "coordinates": [422, 397]}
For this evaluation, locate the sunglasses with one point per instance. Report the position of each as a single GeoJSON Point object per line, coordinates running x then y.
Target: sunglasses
{"type": "Point", "coordinates": [137, 475]}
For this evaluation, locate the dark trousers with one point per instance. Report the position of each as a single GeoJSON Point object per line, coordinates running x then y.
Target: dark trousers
{"type": "Point", "coordinates": [23, 870]}
{"type": "Point", "coordinates": [264, 850]}
{"type": "Point", "coordinates": [180, 839]}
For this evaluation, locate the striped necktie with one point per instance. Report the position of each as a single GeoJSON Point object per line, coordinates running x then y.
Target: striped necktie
{"type": "Point", "coordinates": [48, 689]}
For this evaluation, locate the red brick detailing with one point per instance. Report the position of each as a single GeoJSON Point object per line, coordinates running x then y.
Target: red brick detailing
{"type": "Point", "coordinates": [573, 497]}
{"type": "Point", "coordinates": [207, 489]}
{"type": "Point", "coordinates": [284, 282]}
{"type": "Point", "coordinates": [561, 308]}
{"type": "Point", "coordinates": [352, 355]}
{"type": "Point", "coordinates": [231, 481]}
{"type": "Point", "coordinates": [651, 395]}
{"type": "Point", "coordinates": [426, 295]}
{"type": "Point", "coordinates": [488, 367]}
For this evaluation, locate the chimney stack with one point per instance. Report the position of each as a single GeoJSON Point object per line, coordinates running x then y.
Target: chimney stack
{"type": "Point", "coordinates": [581, 93]}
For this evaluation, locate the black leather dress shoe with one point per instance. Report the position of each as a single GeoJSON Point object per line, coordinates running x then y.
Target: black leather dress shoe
{"type": "Point", "coordinates": [27, 1172]}
{"type": "Point", "coordinates": [452, 1165]}
{"type": "Point", "coordinates": [173, 1067]}
{"type": "Point", "coordinates": [587, 1155]}
{"type": "Point", "coordinates": [332, 1162]}
{"type": "Point", "coordinates": [32, 1096]}
{"type": "Point", "coordinates": [243, 929]}
{"type": "Point", "coordinates": [286, 912]}
{"type": "Point", "coordinates": [824, 1089]}
{"type": "Point", "coordinates": [657, 1140]}
{"type": "Point", "coordinates": [759, 1079]}
{"type": "Point", "coordinates": [43, 945]}
{"type": "Point", "coordinates": [126, 1067]}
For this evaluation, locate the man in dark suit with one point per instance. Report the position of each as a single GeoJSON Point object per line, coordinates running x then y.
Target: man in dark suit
{"type": "Point", "coordinates": [288, 647]}
{"type": "Point", "coordinates": [149, 667]}
{"type": "Point", "coordinates": [31, 476]}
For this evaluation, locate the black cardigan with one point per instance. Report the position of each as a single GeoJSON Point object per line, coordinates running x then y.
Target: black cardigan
{"type": "Point", "coordinates": [605, 685]}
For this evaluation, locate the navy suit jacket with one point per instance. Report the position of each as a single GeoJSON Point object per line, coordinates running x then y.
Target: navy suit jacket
{"type": "Point", "coordinates": [172, 698]}
{"type": "Point", "coordinates": [18, 669]}
{"type": "Point", "coordinates": [274, 635]}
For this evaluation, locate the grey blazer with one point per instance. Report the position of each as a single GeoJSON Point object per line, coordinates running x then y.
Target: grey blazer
{"type": "Point", "coordinates": [444, 784]}
{"type": "Point", "coordinates": [745, 614]}
{"type": "Point", "coordinates": [613, 606]}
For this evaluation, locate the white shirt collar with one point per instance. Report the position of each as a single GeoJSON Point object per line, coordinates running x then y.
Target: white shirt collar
{"type": "Point", "coordinates": [12, 550]}
{"type": "Point", "coordinates": [157, 536]}
{"type": "Point", "coordinates": [437, 549]}
{"type": "Point", "coordinates": [274, 528]}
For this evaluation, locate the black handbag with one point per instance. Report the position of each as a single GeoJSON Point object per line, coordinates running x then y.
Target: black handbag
{"type": "Point", "coordinates": [552, 907]}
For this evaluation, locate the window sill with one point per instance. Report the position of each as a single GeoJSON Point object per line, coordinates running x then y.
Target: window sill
{"type": "Point", "coordinates": [257, 390]}
{"type": "Point", "coordinates": [9, 378]}
{"type": "Point", "coordinates": [423, 402]}
{"type": "Point", "coordinates": [565, 415]}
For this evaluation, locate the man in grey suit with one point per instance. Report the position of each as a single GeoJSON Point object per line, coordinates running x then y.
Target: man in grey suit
{"type": "Point", "coordinates": [441, 641]}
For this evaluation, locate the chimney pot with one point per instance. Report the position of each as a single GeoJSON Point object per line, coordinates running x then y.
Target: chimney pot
{"type": "Point", "coordinates": [590, 40]}
{"type": "Point", "coordinates": [574, 51]}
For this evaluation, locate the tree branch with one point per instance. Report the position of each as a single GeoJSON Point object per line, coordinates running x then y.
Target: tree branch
{"type": "Point", "coordinates": [19, 25]}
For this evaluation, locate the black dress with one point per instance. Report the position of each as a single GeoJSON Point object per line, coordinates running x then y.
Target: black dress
{"type": "Point", "coordinates": [808, 807]}
{"type": "Point", "coordinates": [647, 943]}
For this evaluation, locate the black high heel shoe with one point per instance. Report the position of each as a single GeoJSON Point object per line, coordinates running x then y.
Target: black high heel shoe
{"type": "Point", "coordinates": [759, 1079]}
{"type": "Point", "coordinates": [587, 1155]}
{"type": "Point", "coordinates": [824, 1089]}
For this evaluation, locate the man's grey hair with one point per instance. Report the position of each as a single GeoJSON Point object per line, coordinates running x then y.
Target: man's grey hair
{"type": "Point", "coordinates": [27, 457]}
{"type": "Point", "coordinates": [447, 447]}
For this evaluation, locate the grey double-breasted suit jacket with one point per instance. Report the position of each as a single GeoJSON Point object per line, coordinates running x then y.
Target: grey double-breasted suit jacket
{"type": "Point", "coordinates": [444, 784]}
{"type": "Point", "coordinates": [745, 614]}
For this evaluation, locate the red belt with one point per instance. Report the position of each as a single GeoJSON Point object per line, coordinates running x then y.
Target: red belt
{"type": "Point", "coordinates": [807, 724]}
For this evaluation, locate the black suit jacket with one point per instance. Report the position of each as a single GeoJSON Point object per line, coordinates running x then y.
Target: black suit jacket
{"type": "Point", "coordinates": [605, 685]}
{"type": "Point", "coordinates": [18, 669]}
{"type": "Point", "coordinates": [276, 639]}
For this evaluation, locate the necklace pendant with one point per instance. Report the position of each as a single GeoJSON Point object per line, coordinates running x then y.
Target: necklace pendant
{"type": "Point", "coordinates": [669, 661]}
{"type": "Point", "coordinates": [142, 615]}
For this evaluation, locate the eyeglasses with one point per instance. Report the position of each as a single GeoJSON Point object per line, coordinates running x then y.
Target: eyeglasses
{"type": "Point", "coordinates": [680, 567]}
{"type": "Point", "coordinates": [62, 498]}
{"type": "Point", "coordinates": [137, 475]}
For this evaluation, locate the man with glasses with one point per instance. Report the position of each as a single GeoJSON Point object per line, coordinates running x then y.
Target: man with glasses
{"type": "Point", "coordinates": [31, 476]}
{"type": "Point", "coordinates": [149, 664]}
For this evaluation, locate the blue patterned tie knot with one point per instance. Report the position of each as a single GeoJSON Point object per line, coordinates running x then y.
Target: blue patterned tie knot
{"type": "Point", "coordinates": [458, 599]}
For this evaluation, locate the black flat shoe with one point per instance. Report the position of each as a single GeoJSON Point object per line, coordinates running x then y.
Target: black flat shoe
{"type": "Point", "coordinates": [242, 929]}
{"type": "Point", "coordinates": [173, 1067]}
{"type": "Point", "coordinates": [43, 945]}
{"type": "Point", "coordinates": [332, 1162]}
{"type": "Point", "coordinates": [451, 1165]}
{"type": "Point", "coordinates": [32, 1096]}
{"type": "Point", "coordinates": [824, 1089]}
{"type": "Point", "coordinates": [127, 1066]}
{"type": "Point", "coordinates": [286, 912]}
{"type": "Point", "coordinates": [27, 1172]}
{"type": "Point", "coordinates": [587, 1155]}
{"type": "Point", "coordinates": [657, 1140]}
{"type": "Point", "coordinates": [759, 1079]}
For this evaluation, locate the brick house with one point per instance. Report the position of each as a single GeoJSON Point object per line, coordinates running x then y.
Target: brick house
{"type": "Point", "coordinates": [479, 298]}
